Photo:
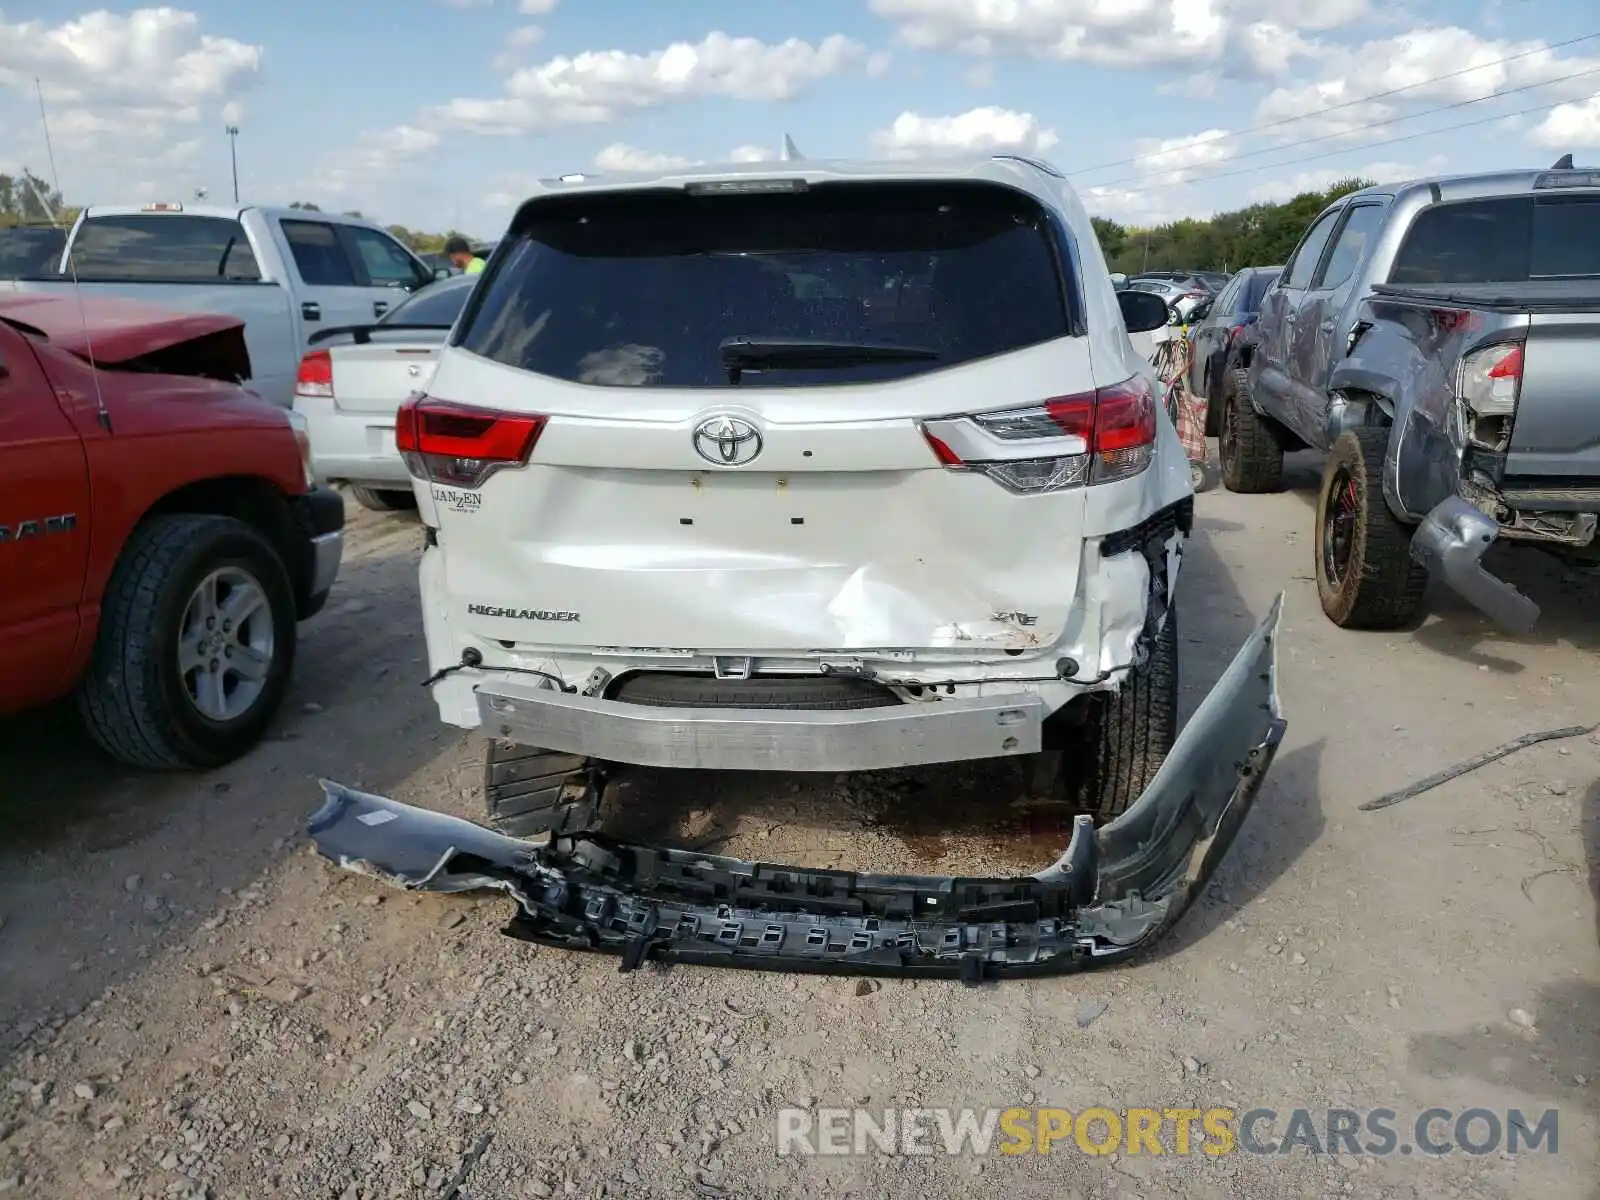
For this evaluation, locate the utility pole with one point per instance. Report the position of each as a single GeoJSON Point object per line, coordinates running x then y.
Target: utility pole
{"type": "Point", "coordinates": [233, 153]}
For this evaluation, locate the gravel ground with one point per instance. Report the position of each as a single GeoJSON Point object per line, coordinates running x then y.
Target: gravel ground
{"type": "Point", "coordinates": [192, 1004]}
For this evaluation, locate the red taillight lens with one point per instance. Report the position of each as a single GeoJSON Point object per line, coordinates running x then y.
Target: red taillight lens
{"type": "Point", "coordinates": [316, 375]}
{"type": "Point", "coordinates": [1509, 367]}
{"type": "Point", "coordinates": [462, 446]}
{"type": "Point", "coordinates": [942, 452]}
{"type": "Point", "coordinates": [1125, 417]}
{"type": "Point", "coordinates": [1116, 426]}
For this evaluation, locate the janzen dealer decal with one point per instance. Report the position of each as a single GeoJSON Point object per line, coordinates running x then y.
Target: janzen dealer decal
{"type": "Point", "coordinates": [520, 614]}
{"type": "Point", "coordinates": [458, 501]}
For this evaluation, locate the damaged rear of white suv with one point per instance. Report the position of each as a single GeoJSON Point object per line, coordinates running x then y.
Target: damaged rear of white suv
{"type": "Point", "coordinates": [824, 467]}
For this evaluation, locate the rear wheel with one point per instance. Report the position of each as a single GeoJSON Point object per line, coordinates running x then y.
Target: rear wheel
{"type": "Point", "coordinates": [1126, 735]}
{"type": "Point", "coordinates": [1252, 456]}
{"type": "Point", "coordinates": [384, 499]}
{"type": "Point", "coordinates": [195, 647]}
{"type": "Point", "coordinates": [1366, 578]}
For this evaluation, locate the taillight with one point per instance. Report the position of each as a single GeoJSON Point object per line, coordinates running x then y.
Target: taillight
{"type": "Point", "coordinates": [316, 375]}
{"type": "Point", "coordinates": [461, 446]}
{"type": "Point", "coordinates": [1488, 383]}
{"type": "Point", "coordinates": [1096, 437]}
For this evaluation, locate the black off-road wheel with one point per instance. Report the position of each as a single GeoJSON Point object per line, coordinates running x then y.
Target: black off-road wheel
{"type": "Point", "coordinates": [384, 499]}
{"type": "Point", "coordinates": [1366, 578]}
{"type": "Point", "coordinates": [195, 647]}
{"type": "Point", "coordinates": [530, 792]}
{"type": "Point", "coordinates": [1126, 736]}
{"type": "Point", "coordinates": [1252, 455]}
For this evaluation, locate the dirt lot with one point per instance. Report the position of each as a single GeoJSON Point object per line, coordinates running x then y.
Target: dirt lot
{"type": "Point", "coordinates": [193, 1005]}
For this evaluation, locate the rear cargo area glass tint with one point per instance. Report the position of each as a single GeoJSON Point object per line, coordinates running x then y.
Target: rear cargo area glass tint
{"type": "Point", "coordinates": [640, 288]}
{"type": "Point", "coordinates": [1505, 239]}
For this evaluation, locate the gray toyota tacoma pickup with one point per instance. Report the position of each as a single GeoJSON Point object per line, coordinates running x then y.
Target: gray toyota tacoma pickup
{"type": "Point", "coordinates": [1440, 340]}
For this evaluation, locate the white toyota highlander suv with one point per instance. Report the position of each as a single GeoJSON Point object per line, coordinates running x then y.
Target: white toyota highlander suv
{"type": "Point", "coordinates": [811, 466]}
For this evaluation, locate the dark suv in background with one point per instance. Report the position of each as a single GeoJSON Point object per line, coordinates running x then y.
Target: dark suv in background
{"type": "Point", "coordinates": [1224, 338]}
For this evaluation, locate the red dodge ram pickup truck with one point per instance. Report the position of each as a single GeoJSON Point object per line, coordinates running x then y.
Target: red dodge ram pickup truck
{"type": "Point", "coordinates": [160, 531]}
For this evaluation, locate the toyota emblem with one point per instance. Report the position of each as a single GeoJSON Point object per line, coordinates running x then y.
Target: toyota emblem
{"type": "Point", "coordinates": [727, 441]}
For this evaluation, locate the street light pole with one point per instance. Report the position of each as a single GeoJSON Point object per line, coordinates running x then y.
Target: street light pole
{"type": "Point", "coordinates": [233, 153]}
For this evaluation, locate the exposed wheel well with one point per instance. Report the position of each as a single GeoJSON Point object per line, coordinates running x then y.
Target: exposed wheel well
{"type": "Point", "coordinates": [258, 503]}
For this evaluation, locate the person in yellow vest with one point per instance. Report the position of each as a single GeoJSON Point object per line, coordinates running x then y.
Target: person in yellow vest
{"type": "Point", "coordinates": [462, 257]}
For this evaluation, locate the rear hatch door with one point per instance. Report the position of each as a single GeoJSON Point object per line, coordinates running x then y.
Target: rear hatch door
{"type": "Point", "coordinates": [677, 499]}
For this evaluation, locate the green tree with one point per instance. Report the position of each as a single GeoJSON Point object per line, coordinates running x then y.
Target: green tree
{"type": "Point", "coordinates": [1112, 237]}
{"type": "Point", "coordinates": [26, 199]}
{"type": "Point", "coordinates": [306, 205]}
{"type": "Point", "coordinates": [1260, 235]}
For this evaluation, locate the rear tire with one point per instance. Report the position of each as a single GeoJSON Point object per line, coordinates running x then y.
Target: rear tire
{"type": "Point", "coordinates": [383, 499]}
{"type": "Point", "coordinates": [530, 792]}
{"type": "Point", "coordinates": [1366, 577]}
{"type": "Point", "coordinates": [139, 700]}
{"type": "Point", "coordinates": [1252, 456]}
{"type": "Point", "coordinates": [1126, 735]}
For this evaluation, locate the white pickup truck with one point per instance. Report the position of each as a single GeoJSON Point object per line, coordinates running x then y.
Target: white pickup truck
{"type": "Point", "coordinates": [285, 272]}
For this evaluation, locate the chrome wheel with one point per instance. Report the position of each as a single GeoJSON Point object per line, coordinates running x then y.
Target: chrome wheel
{"type": "Point", "coordinates": [225, 646]}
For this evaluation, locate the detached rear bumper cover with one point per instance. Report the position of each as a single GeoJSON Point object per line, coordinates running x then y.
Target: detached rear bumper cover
{"type": "Point", "coordinates": [1111, 894]}
{"type": "Point", "coordinates": [1451, 541]}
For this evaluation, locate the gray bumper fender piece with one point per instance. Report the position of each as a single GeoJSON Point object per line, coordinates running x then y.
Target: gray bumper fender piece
{"type": "Point", "coordinates": [1451, 543]}
{"type": "Point", "coordinates": [1112, 893]}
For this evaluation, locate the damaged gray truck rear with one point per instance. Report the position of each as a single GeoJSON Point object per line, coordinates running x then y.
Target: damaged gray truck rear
{"type": "Point", "coordinates": [1440, 340]}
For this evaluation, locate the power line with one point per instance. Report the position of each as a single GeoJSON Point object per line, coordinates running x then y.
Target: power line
{"type": "Point", "coordinates": [1328, 137]}
{"type": "Point", "coordinates": [1279, 124]}
{"type": "Point", "coordinates": [1410, 137]}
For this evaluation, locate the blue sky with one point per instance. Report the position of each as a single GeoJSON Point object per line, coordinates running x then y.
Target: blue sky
{"type": "Point", "coordinates": [430, 112]}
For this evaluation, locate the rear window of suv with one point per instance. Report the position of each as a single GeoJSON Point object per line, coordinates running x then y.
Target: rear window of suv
{"type": "Point", "coordinates": [641, 288]}
{"type": "Point", "coordinates": [1506, 239]}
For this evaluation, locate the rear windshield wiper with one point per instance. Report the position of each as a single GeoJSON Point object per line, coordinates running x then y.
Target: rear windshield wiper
{"type": "Point", "coordinates": [742, 352]}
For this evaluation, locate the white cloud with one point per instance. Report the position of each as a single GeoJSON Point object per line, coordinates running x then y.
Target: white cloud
{"type": "Point", "coordinates": [1167, 162]}
{"type": "Point", "coordinates": [1278, 190]}
{"type": "Point", "coordinates": [598, 86]}
{"type": "Point", "coordinates": [1436, 66]}
{"type": "Point", "coordinates": [984, 130]}
{"type": "Point", "coordinates": [619, 156]}
{"type": "Point", "coordinates": [750, 154]}
{"type": "Point", "coordinates": [153, 56]}
{"type": "Point", "coordinates": [1144, 33]}
{"type": "Point", "coordinates": [121, 90]}
{"type": "Point", "coordinates": [1571, 126]}
{"type": "Point", "coordinates": [536, 8]}
{"type": "Point", "coordinates": [517, 42]}
{"type": "Point", "coordinates": [465, 4]}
